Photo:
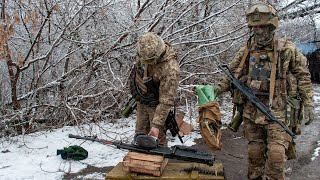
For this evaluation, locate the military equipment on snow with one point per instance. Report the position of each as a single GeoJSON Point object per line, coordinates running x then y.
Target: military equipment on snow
{"type": "Point", "coordinates": [172, 126]}
{"type": "Point", "coordinates": [175, 152]}
{"type": "Point", "coordinates": [73, 152]}
{"type": "Point", "coordinates": [253, 99]}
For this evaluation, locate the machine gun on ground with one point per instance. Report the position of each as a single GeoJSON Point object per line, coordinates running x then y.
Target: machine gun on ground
{"type": "Point", "coordinates": [175, 152]}
{"type": "Point", "coordinates": [254, 99]}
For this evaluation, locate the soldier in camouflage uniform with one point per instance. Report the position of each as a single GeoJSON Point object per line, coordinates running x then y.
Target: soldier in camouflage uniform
{"type": "Point", "coordinates": [159, 63]}
{"type": "Point", "coordinates": [276, 71]}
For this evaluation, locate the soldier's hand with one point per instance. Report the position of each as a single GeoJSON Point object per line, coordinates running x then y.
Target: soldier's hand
{"type": "Point", "coordinates": [154, 132]}
{"type": "Point", "coordinates": [308, 114]}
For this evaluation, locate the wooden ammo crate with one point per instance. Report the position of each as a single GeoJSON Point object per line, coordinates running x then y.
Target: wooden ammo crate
{"type": "Point", "coordinates": [144, 163]}
{"type": "Point", "coordinates": [173, 171]}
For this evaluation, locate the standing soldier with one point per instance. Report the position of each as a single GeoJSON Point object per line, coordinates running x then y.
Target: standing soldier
{"type": "Point", "coordinates": [267, 65]}
{"type": "Point", "coordinates": [154, 85]}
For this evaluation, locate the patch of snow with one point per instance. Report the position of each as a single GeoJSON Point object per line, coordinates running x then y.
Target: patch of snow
{"type": "Point", "coordinates": [316, 152]}
{"type": "Point", "coordinates": [96, 176]}
{"type": "Point", "coordinates": [34, 156]}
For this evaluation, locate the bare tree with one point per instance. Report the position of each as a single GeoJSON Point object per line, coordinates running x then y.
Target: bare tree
{"type": "Point", "coordinates": [68, 62]}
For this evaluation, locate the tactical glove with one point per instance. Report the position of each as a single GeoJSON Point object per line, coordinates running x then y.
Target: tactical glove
{"type": "Point", "coordinates": [308, 114]}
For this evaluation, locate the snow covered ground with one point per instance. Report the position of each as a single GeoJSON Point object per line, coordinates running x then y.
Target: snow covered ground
{"type": "Point", "coordinates": [34, 156]}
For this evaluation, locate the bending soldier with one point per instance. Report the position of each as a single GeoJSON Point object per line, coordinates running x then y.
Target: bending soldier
{"type": "Point", "coordinates": [155, 84]}
{"type": "Point", "coordinates": [266, 64]}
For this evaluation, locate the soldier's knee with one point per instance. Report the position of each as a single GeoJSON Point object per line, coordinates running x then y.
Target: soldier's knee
{"type": "Point", "coordinates": [256, 150]}
{"type": "Point", "coordinates": [276, 152]}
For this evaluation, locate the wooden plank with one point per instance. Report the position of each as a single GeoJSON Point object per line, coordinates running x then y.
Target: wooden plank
{"type": "Point", "coordinates": [144, 171]}
{"type": "Point", "coordinates": [164, 164]}
{"type": "Point", "coordinates": [142, 166]}
{"type": "Point", "coordinates": [146, 157]}
{"type": "Point", "coordinates": [172, 171]}
{"type": "Point", "coordinates": [142, 163]}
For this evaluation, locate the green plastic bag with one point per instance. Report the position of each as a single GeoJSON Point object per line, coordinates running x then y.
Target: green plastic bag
{"type": "Point", "coordinates": [202, 98]}
{"type": "Point", "coordinates": [206, 93]}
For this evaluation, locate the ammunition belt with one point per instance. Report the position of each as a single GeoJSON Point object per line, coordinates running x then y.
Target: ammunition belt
{"type": "Point", "coordinates": [204, 171]}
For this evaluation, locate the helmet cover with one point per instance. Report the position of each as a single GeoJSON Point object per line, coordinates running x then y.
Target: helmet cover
{"type": "Point", "coordinates": [150, 47]}
{"type": "Point", "coordinates": [262, 14]}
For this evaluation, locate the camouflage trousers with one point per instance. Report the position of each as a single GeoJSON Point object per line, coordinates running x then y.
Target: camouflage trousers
{"type": "Point", "coordinates": [144, 118]}
{"type": "Point", "coordinates": [266, 150]}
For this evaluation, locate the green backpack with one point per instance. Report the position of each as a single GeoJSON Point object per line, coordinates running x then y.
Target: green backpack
{"type": "Point", "coordinates": [73, 152]}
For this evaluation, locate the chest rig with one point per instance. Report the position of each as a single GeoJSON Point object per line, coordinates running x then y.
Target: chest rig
{"type": "Point", "coordinates": [143, 88]}
{"type": "Point", "coordinates": [263, 69]}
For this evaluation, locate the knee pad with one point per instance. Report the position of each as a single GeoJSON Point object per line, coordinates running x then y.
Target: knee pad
{"type": "Point", "coordinates": [276, 153]}
{"type": "Point", "coordinates": [256, 150]}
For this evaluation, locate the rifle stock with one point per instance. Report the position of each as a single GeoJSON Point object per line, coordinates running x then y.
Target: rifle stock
{"type": "Point", "coordinates": [254, 99]}
{"type": "Point", "coordinates": [175, 152]}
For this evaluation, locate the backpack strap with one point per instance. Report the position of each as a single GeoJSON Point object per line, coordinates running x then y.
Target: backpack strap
{"type": "Point", "coordinates": [276, 70]}
{"type": "Point", "coordinates": [273, 72]}
{"type": "Point", "coordinates": [243, 60]}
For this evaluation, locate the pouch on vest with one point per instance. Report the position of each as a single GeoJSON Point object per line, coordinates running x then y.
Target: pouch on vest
{"type": "Point", "coordinates": [238, 103]}
{"type": "Point", "coordinates": [294, 114]}
{"type": "Point", "coordinates": [144, 91]}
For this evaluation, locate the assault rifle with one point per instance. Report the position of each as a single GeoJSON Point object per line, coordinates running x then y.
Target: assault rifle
{"type": "Point", "coordinates": [245, 90]}
{"type": "Point", "coordinates": [175, 152]}
{"type": "Point", "coordinates": [172, 125]}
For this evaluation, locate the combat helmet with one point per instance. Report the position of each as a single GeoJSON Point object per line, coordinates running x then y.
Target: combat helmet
{"type": "Point", "coordinates": [262, 14]}
{"type": "Point", "coordinates": [150, 47]}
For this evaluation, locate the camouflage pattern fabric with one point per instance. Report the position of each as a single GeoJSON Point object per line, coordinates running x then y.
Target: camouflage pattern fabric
{"type": "Point", "coordinates": [164, 72]}
{"type": "Point", "coordinates": [267, 142]}
{"type": "Point", "coordinates": [149, 48]}
{"type": "Point", "coordinates": [278, 142]}
{"type": "Point", "coordinates": [293, 62]}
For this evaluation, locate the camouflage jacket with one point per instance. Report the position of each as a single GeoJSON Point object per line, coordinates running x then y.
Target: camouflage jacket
{"type": "Point", "coordinates": [166, 73]}
{"type": "Point", "coordinates": [293, 65]}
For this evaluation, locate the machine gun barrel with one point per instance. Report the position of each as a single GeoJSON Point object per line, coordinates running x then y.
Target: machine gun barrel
{"type": "Point", "coordinates": [175, 152]}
